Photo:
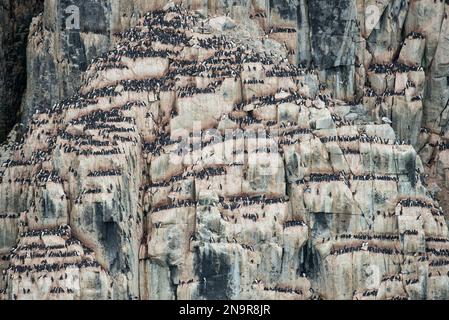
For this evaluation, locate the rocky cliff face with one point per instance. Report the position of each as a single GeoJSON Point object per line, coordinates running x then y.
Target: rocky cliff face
{"type": "Point", "coordinates": [391, 52]}
{"type": "Point", "coordinates": [15, 18]}
{"type": "Point", "coordinates": [197, 161]}
{"type": "Point", "coordinates": [341, 38]}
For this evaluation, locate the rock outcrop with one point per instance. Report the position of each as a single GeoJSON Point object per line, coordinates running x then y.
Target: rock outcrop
{"type": "Point", "coordinates": [194, 164]}
{"type": "Point", "coordinates": [15, 19]}
{"type": "Point", "coordinates": [393, 52]}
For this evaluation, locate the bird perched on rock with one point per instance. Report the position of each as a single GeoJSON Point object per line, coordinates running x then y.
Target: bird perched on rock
{"type": "Point", "coordinates": [386, 120]}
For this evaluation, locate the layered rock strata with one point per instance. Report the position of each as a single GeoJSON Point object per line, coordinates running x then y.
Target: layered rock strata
{"type": "Point", "coordinates": [15, 19]}
{"type": "Point", "coordinates": [192, 164]}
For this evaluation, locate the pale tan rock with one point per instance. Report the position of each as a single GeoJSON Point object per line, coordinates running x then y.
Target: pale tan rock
{"type": "Point", "coordinates": [412, 52]}
{"type": "Point", "coordinates": [229, 220]}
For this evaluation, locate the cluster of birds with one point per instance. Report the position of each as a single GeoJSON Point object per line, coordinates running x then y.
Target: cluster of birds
{"type": "Point", "coordinates": [410, 233]}
{"type": "Point", "coordinates": [438, 212]}
{"type": "Point", "coordinates": [204, 174]}
{"type": "Point", "coordinates": [294, 132]}
{"type": "Point", "coordinates": [54, 267]}
{"type": "Point", "coordinates": [61, 231]}
{"type": "Point", "coordinates": [258, 15]}
{"type": "Point", "coordinates": [438, 252]}
{"type": "Point", "coordinates": [48, 176]}
{"type": "Point", "coordinates": [105, 173]}
{"type": "Point", "coordinates": [102, 152]}
{"type": "Point", "coordinates": [113, 60]}
{"type": "Point", "coordinates": [92, 191]}
{"type": "Point", "coordinates": [364, 247]}
{"type": "Point", "coordinates": [181, 21]}
{"type": "Point", "coordinates": [434, 239]}
{"type": "Point", "coordinates": [208, 140]}
{"type": "Point", "coordinates": [271, 99]}
{"type": "Point", "coordinates": [399, 298]}
{"type": "Point", "coordinates": [251, 216]}
{"type": "Point", "coordinates": [411, 281]}
{"type": "Point", "coordinates": [327, 177]}
{"type": "Point", "coordinates": [110, 66]}
{"type": "Point", "coordinates": [9, 216]}
{"type": "Point", "coordinates": [183, 283]}
{"type": "Point", "coordinates": [350, 151]}
{"type": "Point", "coordinates": [193, 90]}
{"type": "Point", "coordinates": [109, 91]}
{"type": "Point", "coordinates": [60, 254]}
{"type": "Point", "coordinates": [107, 58]}
{"type": "Point", "coordinates": [248, 247]}
{"type": "Point", "coordinates": [39, 122]}
{"type": "Point", "coordinates": [77, 139]}
{"type": "Point", "coordinates": [340, 139]}
{"type": "Point", "coordinates": [294, 223]}
{"type": "Point", "coordinates": [443, 145]}
{"type": "Point", "coordinates": [82, 142]}
{"type": "Point", "coordinates": [282, 30]}
{"type": "Point", "coordinates": [156, 147]}
{"type": "Point", "coordinates": [122, 139]}
{"type": "Point", "coordinates": [36, 247]}
{"type": "Point", "coordinates": [253, 81]}
{"type": "Point", "coordinates": [194, 237]}
{"type": "Point", "coordinates": [223, 58]}
{"type": "Point", "coordinates": [416, 203]}
{"type": "Point", "coordinates": [270, 149]}
{"type": "Point", "coordinates": [215, 43]}
{"type": "Point", "coordinates": [58, 290]}
{"type": "Point", "coordinates": [417, 98]}
{"type": "Point", "coordinates": [246, 56]}
{"type": "Point", "coordinates": [372, 177]}
{"type": "Point", "coordinates": [77, 101]}
{"type": "Point", "coordinates": [115, 116]}
{"type": "Point", "coordinates": [391, 278]}
{"type": "Point", "coordinates": [379, 140]}
{"type": "Point", "coordinates": [284, 290]}
{"type": "Point", "coordinates": [44, 247]}
{"type": "Point", "coordinates": [245, 120]}
{"type": "Point", "coordinates": [243, 201]}
{"type": "Point", "coordinates": [204, 69]}
{"type": "Point", "coordinates": [17, 163]}
{"type": "Point", "coordinates": [416, 35]}
{"type": "Point", "coordinates": [155, 21]}
{"type": "Point", "coordinates": [232, 203]}
{"type": "Point", "coordinates": [390, 251]}
{"type": "Point", "coordinates": [288, 72]}
{"type": "Point", "coordinates": [52, 254]}
{"type": "Point", "coordinates": [439, 263]}
{"type": "Point", "coordinates": [207, 173]}
{"type": "Point", "coordinates": [393, 68]}
{"type": "Point", "coordinates": [177, 204]}
{"type": "Point", "coordinates": [27, 255]}
{"type": "Point", "coordinates": [367, 237]}
{"type": "Point", "coordinates": [135, 53]}
{"type": "Point", "coordinates": [370, 293]}
{"type": "Point", "coordinates": [147, 85]}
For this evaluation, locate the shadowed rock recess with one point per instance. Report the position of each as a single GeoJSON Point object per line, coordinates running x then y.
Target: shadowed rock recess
{"type": "Point", "coordinates": [198, 161]}
{"type": "Point", "coordinates": [15, 19]}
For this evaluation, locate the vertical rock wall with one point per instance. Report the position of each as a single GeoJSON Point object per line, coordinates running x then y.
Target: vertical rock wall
{"type": "Point", "coordinates": [194, 164]}
{"type": "Point", "coordinates": [15, 19]}
{"type": "Point", "coordinates": [341, 38]}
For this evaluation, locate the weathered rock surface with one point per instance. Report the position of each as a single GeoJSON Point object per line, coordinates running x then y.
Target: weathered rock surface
{"type": "Point", "coordinates": [191, 164]}
{"type": "Point", "coordinates": [343, 39]}
{"type": "Point", "coordinates": [15, 19]}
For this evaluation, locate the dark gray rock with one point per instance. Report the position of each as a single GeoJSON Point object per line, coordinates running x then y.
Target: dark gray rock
{"type": "Point", "coordinates": [15, 18]}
